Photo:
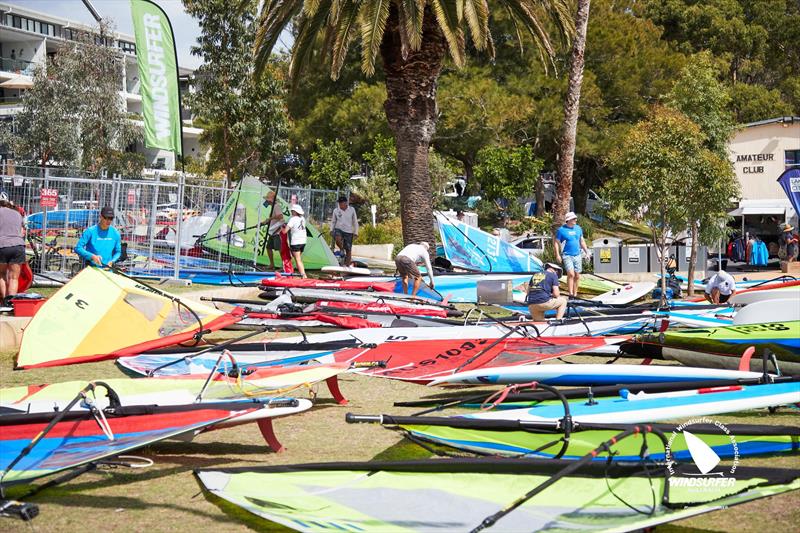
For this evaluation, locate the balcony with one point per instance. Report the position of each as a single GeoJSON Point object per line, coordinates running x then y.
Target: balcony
{"type": "Point", "coordinates": [18, 66]}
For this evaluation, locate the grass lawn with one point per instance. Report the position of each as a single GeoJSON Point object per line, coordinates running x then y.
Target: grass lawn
{"type": "Point", "coordinates": [166, 497]}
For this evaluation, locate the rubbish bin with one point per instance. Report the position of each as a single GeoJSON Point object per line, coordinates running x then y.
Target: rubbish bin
{"type": "Point", "coordinates": [634, 258]}
{"type": "Point", "coordinates": [605, 259]}
{"type": "Point", "coordinates": [683, 253]}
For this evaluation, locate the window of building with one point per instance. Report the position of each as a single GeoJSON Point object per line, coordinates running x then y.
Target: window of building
{"type": "Point", "coordinates": [792, 159]}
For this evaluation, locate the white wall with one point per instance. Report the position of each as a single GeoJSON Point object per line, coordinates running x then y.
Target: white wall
{"type": "Point", "coordinates": [758, 155]}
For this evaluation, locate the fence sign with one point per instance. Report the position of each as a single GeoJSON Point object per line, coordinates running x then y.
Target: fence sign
{"type": "Point", "coordinates": [48, 197]}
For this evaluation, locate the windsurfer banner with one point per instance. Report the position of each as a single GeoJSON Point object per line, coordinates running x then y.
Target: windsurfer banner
{"type": "Point", "coordinates": [158, 73]}
{"type": "Point", "coordinates": [790, 181]}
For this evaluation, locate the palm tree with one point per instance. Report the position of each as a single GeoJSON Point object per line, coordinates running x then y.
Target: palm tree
{"type": "Point", "coordinates": [412, 37]}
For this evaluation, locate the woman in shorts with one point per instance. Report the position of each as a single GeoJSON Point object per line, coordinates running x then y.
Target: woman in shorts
{"type": "Point", "coordinates": [296, 228]}
{"type": "Point", "coordinates": [12, 248]}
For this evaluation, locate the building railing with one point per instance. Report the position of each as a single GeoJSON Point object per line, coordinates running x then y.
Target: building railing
{"type": "Point", "coordinates": [10, 100]}
{"type": "Point", "coordinates": [20, 66]}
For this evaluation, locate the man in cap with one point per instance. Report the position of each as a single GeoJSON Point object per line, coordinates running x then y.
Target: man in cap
{"type": "Point", "coordinates": [344, 227]}
{"type": "Point", "coordinates": [720, 288]}
{"type": "Point", "coordinates": [406, 262]}
{"type": "Point", "coordinates": [543, 293]}
{"type": "Point", "coordinates": [101, 244]}
{"type": "Point", "coordinates": [274, 234]}
{"type": "Point", "coordinates": [569, 244]}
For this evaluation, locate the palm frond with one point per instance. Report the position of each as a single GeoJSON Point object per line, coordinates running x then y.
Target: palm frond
{"type": "Point", "coordinates": [373, 16]}
{"type": "Point", "coordinates": [308, 31]}
{"type": "Point", "coordinates": [449, 16]}
{"type": "Point", "coordinates": [411, 14]}
{"type": "Point", "coordinates": [346, 21]}
{"type": "Point", "coordinates": [310, 7]}
{"type": "Point", "coordinates": [476, 12]}
{"type": "Point", "coordinates": [274, 17]}
{"type": "Point", "coordinates": [528, 14]}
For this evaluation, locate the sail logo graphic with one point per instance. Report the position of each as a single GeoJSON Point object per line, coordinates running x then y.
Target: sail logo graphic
{"type": "Point", "coordinates": [704, 457]}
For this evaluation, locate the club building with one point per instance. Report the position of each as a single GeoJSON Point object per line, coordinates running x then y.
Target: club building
{"type": "Point", "coordinates": [761, 152]}
{"type": "Point", "coordinates": [28, 38]}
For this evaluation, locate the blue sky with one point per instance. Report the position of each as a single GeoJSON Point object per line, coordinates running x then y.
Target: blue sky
{"type": "Point", "coordinates": [186, 28]}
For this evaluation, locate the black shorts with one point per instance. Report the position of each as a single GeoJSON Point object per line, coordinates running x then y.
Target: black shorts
{"type": "Point", "coordinates": [275, 242]}
{"type": "Point", "coordinates": [12, 255]}
{"type": "Point", "coordinates": [723, 298]}
{"type": "Point", "coordinates": [297, 247]}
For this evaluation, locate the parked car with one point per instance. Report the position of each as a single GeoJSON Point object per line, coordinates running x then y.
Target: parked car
{"type": "Point", "coordinates": [533, 244]}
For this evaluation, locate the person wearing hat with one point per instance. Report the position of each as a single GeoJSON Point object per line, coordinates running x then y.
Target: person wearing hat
{"type": "Point", "coordinates": [344, 227]}
{"type": "Point", "coordinates": [720, 287]}
{"type": "Point", "coordinates": [788, 243]}
{"type": "Point", "coordinates": [543, 293]}
{"type": "Point", "coordinates": [406, 262]}
{"type": "Point", "coordinates": [295, 228]}
{"type": "Point", "coordinates": [101, 244]}
{"type": "Point", "coordinates": [568, 248]}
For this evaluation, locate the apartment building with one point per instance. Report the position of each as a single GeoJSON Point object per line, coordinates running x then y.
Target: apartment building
{"type": "Point", "coordinates": [28, 38]}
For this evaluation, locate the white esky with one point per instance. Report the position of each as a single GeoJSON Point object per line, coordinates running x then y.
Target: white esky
{"type": "Point", "coordinates": [119, 11]}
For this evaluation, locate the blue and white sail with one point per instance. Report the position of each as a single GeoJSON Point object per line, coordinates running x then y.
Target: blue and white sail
{"type": "Point", "coordinates": [790, 183]}
{"type": "Point", "coordinates": [472, 249]}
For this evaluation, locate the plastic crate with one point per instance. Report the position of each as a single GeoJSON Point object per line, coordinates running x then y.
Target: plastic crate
{"type": "Point", "coordinates": [27, 306]}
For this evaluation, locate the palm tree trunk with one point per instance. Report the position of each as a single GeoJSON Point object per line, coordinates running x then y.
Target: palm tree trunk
{"type": "Point", "coordinates": [566, 154]}
{"type": "Point", "coordinates": [411, 112]}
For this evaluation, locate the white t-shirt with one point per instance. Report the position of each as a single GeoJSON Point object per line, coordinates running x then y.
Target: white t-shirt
{"type": "Point", "coordinates": [297, 231]}
{"type": "Point", "coordinates": [722, 281]}
{"type": "Point", "coordinates": [418, 254]}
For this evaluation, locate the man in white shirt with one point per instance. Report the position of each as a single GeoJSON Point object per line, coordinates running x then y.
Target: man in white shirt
{"type": "Point", "coordinates": [406, 262]}
{"type": "Point", "coordinates": [344, 227]}
{"type": "Point", "coordinates": [720, 288]}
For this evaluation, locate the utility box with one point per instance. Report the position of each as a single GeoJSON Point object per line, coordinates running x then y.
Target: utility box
{"type": "Point", "coordinates": [605, 258]}
{"type": "Point", "coordinates": [655, 265]}
{"type": "Point", "coordinates": [634, 258]}
{"type": "Point", "coordinates": [683, 253]}
{"type": "Point", "coordinates": [496, 292]}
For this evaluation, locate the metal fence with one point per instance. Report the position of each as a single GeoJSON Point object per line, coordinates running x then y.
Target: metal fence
{"type": "Point", "coordinates": [162, 220]}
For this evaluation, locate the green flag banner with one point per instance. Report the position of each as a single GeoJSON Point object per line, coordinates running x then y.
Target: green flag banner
{"type": "Point", "coordinates": [158, 74]}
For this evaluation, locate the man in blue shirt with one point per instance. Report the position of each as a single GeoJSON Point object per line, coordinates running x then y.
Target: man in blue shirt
{"type": "Point", "coordinates": [568, 249]}
{"type": "Point", "coordinates": [100, 245]}
{"type": "Point", "coordinates": [543, 294]}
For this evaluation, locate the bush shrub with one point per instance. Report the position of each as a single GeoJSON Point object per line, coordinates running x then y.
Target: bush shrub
{"type": "Point", "coordinates": [386, 232]}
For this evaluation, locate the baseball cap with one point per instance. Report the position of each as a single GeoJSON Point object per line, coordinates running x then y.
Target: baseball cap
{"type": "Point", "coordinates": [570, 216]}
{"type": "Point", "coordinates": [107, 212]}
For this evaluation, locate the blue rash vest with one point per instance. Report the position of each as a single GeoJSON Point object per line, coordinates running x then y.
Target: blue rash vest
{"type": "Point", "coordinates": [105, 243]}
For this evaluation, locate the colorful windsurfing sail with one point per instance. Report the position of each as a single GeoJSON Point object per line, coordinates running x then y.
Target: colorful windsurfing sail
{"type": "Point", "coordinates": [461, 495]}
{"type": "Point", "coordinates": [102, 315]}
{"type": "Point", "coordinates": [790, 183]}
{"type": "Point", "coordinates": [381, 285]}
{"type": "Point", "coordinates": [514, 438]}
{"type": "Point", "coordinates": [241, 230]}
{"type": "Point", "coordinates": [473, 249]}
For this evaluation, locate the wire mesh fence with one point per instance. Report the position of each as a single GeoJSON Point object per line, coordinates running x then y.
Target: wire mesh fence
{"type": "Point", "coordinates": [164, 222]}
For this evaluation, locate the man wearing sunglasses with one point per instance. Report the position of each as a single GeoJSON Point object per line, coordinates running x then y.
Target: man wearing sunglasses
{"type": "Point", "coordinates": [100, 245]}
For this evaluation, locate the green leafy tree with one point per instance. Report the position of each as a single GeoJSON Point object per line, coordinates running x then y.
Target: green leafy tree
{"type": "Point", "coordinates": [331, 166]}
{"type": "Point", "coordinates": [74, 114]}
{"type": "Point", "coordinates": [704, 100]}
{"type": "Point", "coordinates": [656, 168]}
{"type": "Point", "coordinates": [243, 117]}
{"type": "Point", "coordinates": [412, 39]}
{"type": "Point", "coordinates": [507, 173]}
{"type": "Point", "coordinates": [752, 103]}
{"type": "Point", "coordinates": [380, 186]}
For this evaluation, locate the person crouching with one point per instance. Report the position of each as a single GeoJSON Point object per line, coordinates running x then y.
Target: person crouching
{"type": "Point", "coordinates": [543, 294]}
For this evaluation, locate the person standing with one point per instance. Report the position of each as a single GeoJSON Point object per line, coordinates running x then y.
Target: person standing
{"type": "Point", "coordinates": [788, 243]}
{"type": "Point", "coordinates": [275, 235]}
{"type": "Point", "coordinates": [569, 247]}
{"type": "Point", "coordinates": [296, 230]}
{"type": "Point", "coordinates": [100, 245]}
{"type": "Point", "coordinates": [720, 288]}
{"type": "Point", "coordinates": [544, 295]}
{"type": "Point", "coordinates": [12, 248]}
{"type": "Point", "coordinates": [344, 228]}
{"type": "Point", "coordinates": [406, 262]}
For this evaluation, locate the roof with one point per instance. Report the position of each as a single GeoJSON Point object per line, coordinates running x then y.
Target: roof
{"type": "Point", "coordinates": [776, 120]}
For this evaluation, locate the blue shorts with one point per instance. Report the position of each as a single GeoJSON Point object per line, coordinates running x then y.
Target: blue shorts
{"type": "Point", "coordinates": [573, 263]}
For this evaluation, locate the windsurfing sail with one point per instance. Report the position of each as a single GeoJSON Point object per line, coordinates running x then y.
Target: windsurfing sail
{"type": "Point", "coordinates": [241, 229]}
{"type": "Point", "coordinates": [473, 249]}
{"type": "Point", "coordinates": [102, 315]}
{"type": "Point", "coordinates": [790, 183]}
{"type": "Point", "coordinates": [459, 495]}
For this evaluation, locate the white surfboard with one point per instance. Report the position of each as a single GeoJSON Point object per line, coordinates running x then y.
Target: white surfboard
{"type": "Point", "coordinates": [745, 298]}
{"type": "Point", "coordinates": [777, 310]}
{"type": "Point", "coordinates": [627, 293]}
{"type": "Point", "coordinates": [347, 270]}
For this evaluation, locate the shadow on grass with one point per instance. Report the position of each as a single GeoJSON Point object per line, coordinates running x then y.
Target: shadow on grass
{"type": "Point", "coordinates": [246, 518]}
{"type": "Point", "coordinates": [176, 449]}
{"type": "Point", "coordinates": [405, 450]}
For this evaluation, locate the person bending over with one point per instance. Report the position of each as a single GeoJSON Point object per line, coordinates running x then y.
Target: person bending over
{"type": "Point", "coordinates": [100, 245]}
{"type": "Point", "coordinates": [720, 288]}
{"type": "Point", "coordinates": [406, 262]}
{"type": "Point", "coordinates": [543, 294]}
